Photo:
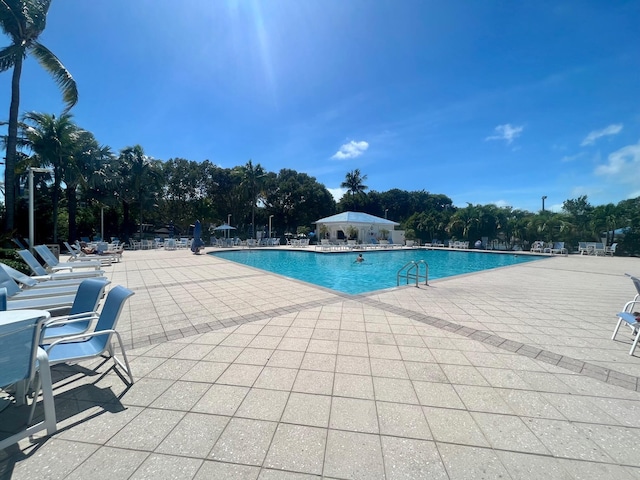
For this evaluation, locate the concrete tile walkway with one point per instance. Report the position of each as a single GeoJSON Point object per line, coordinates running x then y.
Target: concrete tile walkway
{"type": "Point", "coordinates": [508, 373]}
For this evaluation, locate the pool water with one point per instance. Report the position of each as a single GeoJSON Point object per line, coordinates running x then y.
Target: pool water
{"type": "Point", "coordinates": [340, 271]}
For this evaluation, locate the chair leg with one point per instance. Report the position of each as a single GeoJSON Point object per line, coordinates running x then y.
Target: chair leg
{"type": "Point", "coordinates": [635, 342]}
{"type": "Point", "coordinates": [125, 366]}
{"type": "Point", "coordinates": [613, 337]}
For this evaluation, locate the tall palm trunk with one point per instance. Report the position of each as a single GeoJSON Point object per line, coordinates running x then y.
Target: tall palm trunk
{"type": "Point", "coordinates": [72, 205]}
{"type": "Point", "coordinates": [12, 142]}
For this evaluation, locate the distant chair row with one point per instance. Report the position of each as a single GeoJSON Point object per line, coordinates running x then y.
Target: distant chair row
{"type": "Point", "coordinates": [595, 248]}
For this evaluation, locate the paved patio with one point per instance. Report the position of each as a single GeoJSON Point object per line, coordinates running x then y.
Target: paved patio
{"type": "Point", "coordinates": [508, 373]}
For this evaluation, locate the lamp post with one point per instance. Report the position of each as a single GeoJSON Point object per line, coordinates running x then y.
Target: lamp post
{"type": "Point", "coordinates": [32, 170]}
{"type": "Point", "coordinates": [385, 213]}
{"type": "Point", "coordinates": [270, 217]}
{"type": "Point", "coordinates": [228, 224]}
{"type": "Point", "coordinates": [544, 197]}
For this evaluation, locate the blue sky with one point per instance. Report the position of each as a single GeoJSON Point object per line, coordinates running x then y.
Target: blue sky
{"type": "Point", "coordinates": [484, 101]}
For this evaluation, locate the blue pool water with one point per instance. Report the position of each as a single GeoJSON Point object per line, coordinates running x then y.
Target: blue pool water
{"type": "Point", "coordinates": [340, 271]}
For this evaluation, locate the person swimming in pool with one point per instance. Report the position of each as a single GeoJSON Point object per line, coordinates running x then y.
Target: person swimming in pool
{"type": "Point", "coordinates": [360, 258]}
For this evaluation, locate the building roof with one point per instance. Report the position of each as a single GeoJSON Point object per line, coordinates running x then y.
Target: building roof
{"type": "Point", "coordinates": [355, 218]}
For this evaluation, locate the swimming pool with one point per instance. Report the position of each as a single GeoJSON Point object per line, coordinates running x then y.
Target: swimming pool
{"type": "Point", "coordinates": [340, 271]}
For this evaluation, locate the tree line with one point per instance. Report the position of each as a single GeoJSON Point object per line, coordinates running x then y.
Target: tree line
{"type": "Point", "coordinates": [132, 195]}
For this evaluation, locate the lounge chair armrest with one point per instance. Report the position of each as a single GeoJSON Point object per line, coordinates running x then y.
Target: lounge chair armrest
{"type": "Point", "coordinates": [78, 317]}
{"type": "Point", "coordinates": [73, 338]}
{"type": "Point", "coordinates": [629, 304]}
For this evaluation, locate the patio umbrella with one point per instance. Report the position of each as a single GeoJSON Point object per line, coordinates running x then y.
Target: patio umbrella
{"type": "Point", "coordinates": [226, 228]}
{"type": "Point", "coordinates": [197, 240]}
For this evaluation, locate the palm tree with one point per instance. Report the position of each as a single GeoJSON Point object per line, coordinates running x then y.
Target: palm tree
{"type": "Point", "coordinates": [53, 140]}
{"type": "Point", "coordinates": [251, 181]}
{"type": "Point", "coordinates": [353, 183]}
{"type": "Point", "coordinates": [140, 180]}
{"type": "Point", "coordinates": [24, 21]}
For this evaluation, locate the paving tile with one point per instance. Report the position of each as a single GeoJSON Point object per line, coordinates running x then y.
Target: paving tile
{"type": "Point", "coordinates": [454, 426]}
{"type": "Point", "coordinates": [309, 381]}
{"type": "Point", "coordinates": [147, 430]}
{"type": "Point", "coordinates": [437, 394]}
{"type": "Point", "coordinates": [238, 374]}
{"type": "Point", "coordinates": [205, 372]}
{"type": "Point", "coordinates": [620, 443]}
{"type": "Point", "coordinates": [525, 467]}
{"type": "Point", "coordinates": [390, 352]}
{"type": "Point", "coordinates": [563, 439]}
{"type": "Point", "coordinates": [483, 399]}
{"type": "Point", "coordinates": [355, 386]}
{"type": "Point", "coordinates": [94, 466]}
{"type": "Point", "coordinates": [464, 375]}
{"type": "Point", "coordinates": [244, 441]}
{"type": "Point", "coordinates": [354, 414]}
{"type": "Point", "coordinates": [194, 436]}
{"type": "Point", "coordinates": [297, 448]}
{"type": "Point", "coordinates": [353, 455]}
{"type": "Point", "coordinates": [427, 372]}
{"type": "Point", "coordinates": [319, 361]}
{"type": "Point", "coordinates": [307, 409]}
{"type": "Point", "coordinates": [99, 427]}
{"type": "Point", "coordinates": [394, 390]}
{"type": "Point", "coordinates": [529, 404]}
{"type": "Point", "coordinates": [180, 396]}
{"type": "Point", "coordinates": [155, 466]}
{"type": "Point", "coordinates": [276, 378]}
{"type": "Point", "coordinates": [227, 471]}
{"type": "Point", "coordinates": [508, 432]}
{"type": "Point", "coordinates": [381, 367]}
{"type": "Point", "coordinates": [403, 420]}
{"type": "Point", "coordinates": [353, 365]}
{"type": "Point", "coordinates": [416, 354]}
{"type": "Point", "coordinates": [598, 471]}
{"type": "Point", "coordinates": [355, 349]}
{"type": "Point", "coordinates": [285, 359]}
{"type": "Point", "coordinates": [221, 400]}
{"type": "Point", "coordinates": [406, 458]}
{"type": "Point", "coordinates": [55, 460]}
{"type": "Point", "coordinates": [263, 404]}
{"type": "Point", "coordinates": [295, 344]}
{"type": "Point", "coordinates": [254, 356]}
{"type": "Point", "coordinates": [471, 462]}
{"type": "Point", "coordinates": [172, 369]}
{"type": "Point", "coordinates": [223, 354]}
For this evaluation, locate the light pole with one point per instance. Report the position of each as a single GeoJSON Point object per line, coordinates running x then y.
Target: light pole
{"type": "Point", "coordinates": [33, 170]}
{"type": "Point", "coordinates": [228, 224]}
{"type": "Point", "coordinates": [544, 197]}
{"type": "Point", "coordinates": [385, 213]}
{"type": "Point", "coordinates": [270, 217]}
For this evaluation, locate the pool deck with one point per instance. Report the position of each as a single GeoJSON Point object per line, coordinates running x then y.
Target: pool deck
{"type": "Point", "coordinates": [508, 373]}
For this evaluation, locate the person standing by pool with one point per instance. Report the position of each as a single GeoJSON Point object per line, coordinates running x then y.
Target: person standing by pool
{"type": "Point", "coordinates": [360, 258]}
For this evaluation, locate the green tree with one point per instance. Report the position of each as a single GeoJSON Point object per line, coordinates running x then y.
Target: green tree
{"type": "Point", "coordinates": [53, 141]}
{"type": "Point", "coordinates": [353, 182]}
{"type": "Point", "coordinates": [23, 21]}
{"type": "Point", "coordinates": [140, 183]}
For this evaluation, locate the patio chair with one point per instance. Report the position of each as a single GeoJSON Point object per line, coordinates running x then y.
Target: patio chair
{"type": "Point", "coordinates": [82, 313]}
{"type": "Point", "coordinates": [14, 292]}
{"type": "Point", "coordinates": [54, 265]}
{"type": "Point", "coordinates": [40, 272]}
{"type": "Point", "coordinates": [558, 248]}
{"type": "Point", "coordinates": [93, 344]}
{"type": "Point", "coordinates": [20, 359]}
{"type": "Point", "coordinates": [610, 250]}
{"type": "Point", "coordinates": [627, 315]}
{"type": "Point", "coordinates": [28, 282]}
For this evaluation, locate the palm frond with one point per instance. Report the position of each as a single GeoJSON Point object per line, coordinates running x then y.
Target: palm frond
{"type": "Point", "coordinates": [58, 71]}
{"type": "Point", "coordinates": [9, 55]}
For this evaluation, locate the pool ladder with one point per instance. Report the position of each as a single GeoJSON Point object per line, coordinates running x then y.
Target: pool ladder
{"type": "Point", "coordinates": [411, 271]}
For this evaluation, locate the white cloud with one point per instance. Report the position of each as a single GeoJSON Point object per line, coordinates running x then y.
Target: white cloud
{"type": "Point", "coordinates": [590, 139]}
{"type": "Point", "coordinates": [623, 164]}
{"type": "Point", "coordinates": [506, 132]}
{"type": "Point", "coordinates": [337, 193]}
{"type": "Point", "coordinates": [571, 158]}
{"type": "Point", "coordinates": [351, 150]}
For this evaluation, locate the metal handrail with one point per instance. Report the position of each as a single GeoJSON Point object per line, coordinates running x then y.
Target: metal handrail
{"type": "Point", "coordinates": [409, 274]}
